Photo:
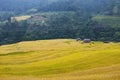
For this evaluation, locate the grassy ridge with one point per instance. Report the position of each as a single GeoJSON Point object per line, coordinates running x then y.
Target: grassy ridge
{"type": "Point", "coordinates": [59, 59]}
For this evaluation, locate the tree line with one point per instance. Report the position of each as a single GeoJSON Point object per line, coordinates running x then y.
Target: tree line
{"type": "Point", "coordinates": [75, 23]}
{"type": "Point", "coordinates": [109, 7]}
{"type": "Point", "coordinates": [68, 25]}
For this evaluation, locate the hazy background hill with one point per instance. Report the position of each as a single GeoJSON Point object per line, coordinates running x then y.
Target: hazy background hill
{"type": "Point", "coordinates": [97, 6]}
{"type": "Point", "coordinates": [27, 26]}
{"type": "Point", "coordinates": [50, 19]}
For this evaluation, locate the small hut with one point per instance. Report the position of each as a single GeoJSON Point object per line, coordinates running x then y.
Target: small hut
{"type": "Point", "coordinates": [87, 40]}
{"type": "Point", "coordinates": [78, 39]}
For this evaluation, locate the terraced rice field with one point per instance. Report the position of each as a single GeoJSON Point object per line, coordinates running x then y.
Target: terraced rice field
{"type": "Point", "coordinates": [60, 59]}
{"type": "Point", "coordinates": [21, 18]}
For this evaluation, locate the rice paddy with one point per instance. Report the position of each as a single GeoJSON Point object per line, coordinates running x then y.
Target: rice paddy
{"type": "Point", "coordinates": [60, 59]}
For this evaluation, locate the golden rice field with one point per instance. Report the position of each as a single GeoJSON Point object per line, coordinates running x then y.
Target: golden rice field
{"type": "Point", "coordinates": [21, 18]}
{"type": "Point", "coordinates": [60, 59]}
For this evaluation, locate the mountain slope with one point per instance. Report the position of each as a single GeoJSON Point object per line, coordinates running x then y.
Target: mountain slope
{"type": "Point", "coordinates": [59, 59]}
{"type": "Point", "coordinates": [110, 7]}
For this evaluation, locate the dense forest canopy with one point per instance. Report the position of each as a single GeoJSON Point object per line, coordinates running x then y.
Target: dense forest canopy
{"type": "Point", "coordinates": [97, 6]}
{"type": "Point", "coordinates": [95, 19]}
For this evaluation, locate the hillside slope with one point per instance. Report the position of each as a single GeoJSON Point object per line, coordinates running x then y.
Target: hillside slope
{"type": "Point", "coordinates": [60, 59]}
{"type": "Point", "coordinates": [111, 21]}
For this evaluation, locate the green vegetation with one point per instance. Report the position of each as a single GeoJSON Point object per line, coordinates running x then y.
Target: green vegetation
{"type": "Point", "coordinates": [27, 21]}
{"type": "Point", "coordinates": [58, 59]}
{"type": "Point", "coordinates": [38, 20]}
{"type": "Point", "coordinates": [112, 21]}
{"type": "Point", "coordinates": [51, 25]}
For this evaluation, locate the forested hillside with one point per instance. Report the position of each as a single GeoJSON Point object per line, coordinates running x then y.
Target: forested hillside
{"type": "Point", "coordinates": [50, 19]}
{"type": "Point", "coordinates": [94, 6]}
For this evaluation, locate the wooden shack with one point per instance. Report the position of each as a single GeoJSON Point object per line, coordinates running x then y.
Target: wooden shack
{"type": "Point", "coordinates": [87, 40]}
{"type": "Point", "coordinates": [78, 39]}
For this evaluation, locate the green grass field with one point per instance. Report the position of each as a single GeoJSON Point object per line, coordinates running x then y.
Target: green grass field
{"type": "Point", "coordinates": [60, 59]}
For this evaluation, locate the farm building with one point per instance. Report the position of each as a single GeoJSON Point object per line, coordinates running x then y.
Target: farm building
{"type": "Point", "coordinates": [87, 40]}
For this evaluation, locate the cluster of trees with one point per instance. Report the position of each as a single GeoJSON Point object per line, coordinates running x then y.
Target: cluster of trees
{"type": "Point", "coordinates": [76, 22]}
{"type": "Point", "coordinates": [11, 32]}
{"type": "Point", "coordinates": [67, 25]}
{"type": "Point", "coordinates": [5, 15]}
{"type": "Point", "coordinates": [111, 7]}
{"type": "Point", "coordinates": [73, 25]}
